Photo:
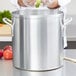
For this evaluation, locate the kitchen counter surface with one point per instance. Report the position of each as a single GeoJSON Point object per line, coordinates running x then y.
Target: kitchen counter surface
{"type": "Point", "coordinates": [5, 38]}
{"type": "Point", "coordinates": [7, 69]}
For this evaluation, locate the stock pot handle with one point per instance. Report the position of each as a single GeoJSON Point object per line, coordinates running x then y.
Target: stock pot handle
{"type": "Point", "coordinates": [9, 23]}
{"type": "Point", "coordinates": [66, 22]}
{"type": "Point", "coordinates": [63, 26]}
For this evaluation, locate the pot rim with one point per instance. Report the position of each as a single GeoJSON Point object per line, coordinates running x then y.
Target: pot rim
{"type": "Point", "coordinates": [19, 13]}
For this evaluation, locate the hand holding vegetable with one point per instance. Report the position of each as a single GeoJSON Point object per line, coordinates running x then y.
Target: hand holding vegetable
{"type": "Point", "coordinates": [50, 4]}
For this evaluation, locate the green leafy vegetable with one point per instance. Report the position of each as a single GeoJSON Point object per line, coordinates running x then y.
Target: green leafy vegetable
{"type": "Point", "coordinates": [5, 13]}
{"type": "Point", "coordinates": [1, 17]}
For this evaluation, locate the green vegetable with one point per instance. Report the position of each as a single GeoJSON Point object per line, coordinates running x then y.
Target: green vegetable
{"type": "Point", "coordinates": [37, 5]}
{"type": "Point", "coordinates": [5, 13]}
{"type": "Point", "coordinates": [38, 2]}
{"type": "Point", "coordinates": [1, 17]}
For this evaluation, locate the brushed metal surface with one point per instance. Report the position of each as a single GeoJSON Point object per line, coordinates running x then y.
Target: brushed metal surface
{"type": "Point", "coordinates": [7, 69]}
{"type": "Point", "coordinates": [38, 41]}
{"type": "Point", "coordinates": [57, 72]}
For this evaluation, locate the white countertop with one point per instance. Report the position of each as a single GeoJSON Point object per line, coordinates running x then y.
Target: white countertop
{"type": "Point", "coordinates": [7, 69]}
{"type": "Point", "coordinates": [5, 38]}
{"type": "Point", "coordinates": [70, 67]}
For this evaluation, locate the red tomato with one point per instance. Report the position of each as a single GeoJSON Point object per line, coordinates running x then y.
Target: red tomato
{"type": "Point", "coordinates": [9, 47]}
{"type": "Point", "coordinates": [1, 53]}
{"type": "Point", "coordinates": [7, 54]}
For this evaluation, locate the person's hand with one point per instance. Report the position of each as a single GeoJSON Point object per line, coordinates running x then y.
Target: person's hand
{"type": "Point", "coordinates": [53, 4]}
{"type": "Point", "coordinates": [27, 3]}
{"type": "Point", "coordinates": [21, 3]}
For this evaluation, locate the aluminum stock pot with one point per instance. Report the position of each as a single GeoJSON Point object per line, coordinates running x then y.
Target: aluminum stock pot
{"type": "Point", "coordinates": [38, 39]}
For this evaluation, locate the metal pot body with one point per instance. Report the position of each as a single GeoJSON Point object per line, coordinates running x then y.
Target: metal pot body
{"type": "Point", "coordinates": [37, 40]}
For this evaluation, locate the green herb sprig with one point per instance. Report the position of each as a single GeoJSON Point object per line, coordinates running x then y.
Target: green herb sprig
{"type": "Point", "coordinates": [5, 13]}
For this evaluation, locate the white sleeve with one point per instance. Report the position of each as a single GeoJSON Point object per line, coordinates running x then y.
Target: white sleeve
{"type": "Point", "coordinates": [14, 2]}
{"type": "Point", "coordinates": [63, 2]}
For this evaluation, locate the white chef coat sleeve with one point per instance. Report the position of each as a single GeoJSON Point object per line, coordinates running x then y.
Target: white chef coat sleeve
{"type": "Point", "coordinates": [63, 2]}
{"type": "Point", "coordinates": [14, 2]}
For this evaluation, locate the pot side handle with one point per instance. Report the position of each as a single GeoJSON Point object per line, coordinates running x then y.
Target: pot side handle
{"type": "Point", "coordinates": [67, 21]}
{"type": "Point", "coordinates": [8, 23]}
{"type": "Point", "coordinates": [64, 25]}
